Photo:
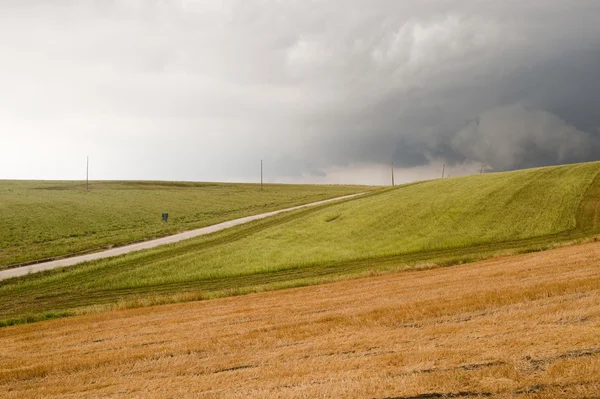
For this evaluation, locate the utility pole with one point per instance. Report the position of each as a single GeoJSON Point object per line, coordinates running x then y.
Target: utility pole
{"type": "Point", "coordinates": [481, 171]}
{"type": "Point", "coordinates": [261, 175]}
{"type": "Point", "coordinates": [392, 174]}
{"type": "Point", "coordinates": [443, 170]}
{"type": "Point", "coordinates": [87, 174]}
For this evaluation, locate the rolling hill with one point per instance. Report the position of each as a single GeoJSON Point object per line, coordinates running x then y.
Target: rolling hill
{"type": "Point", "coordinates": [424, 225]}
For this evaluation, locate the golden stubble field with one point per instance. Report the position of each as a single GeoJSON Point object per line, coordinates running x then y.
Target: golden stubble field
{"type": "Point", "coordinates": [525, 326]}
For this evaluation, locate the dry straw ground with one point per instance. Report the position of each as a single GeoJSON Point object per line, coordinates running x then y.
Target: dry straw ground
{"type": "Point", "coordinates": [526, 326]}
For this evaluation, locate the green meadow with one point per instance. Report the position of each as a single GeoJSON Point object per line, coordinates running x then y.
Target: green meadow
{"type": "Point", "coordinates": [43, 219]}
{"type": "Point", "coordinates": [421, 225]}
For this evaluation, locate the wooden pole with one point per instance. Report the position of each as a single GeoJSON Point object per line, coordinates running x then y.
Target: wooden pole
{"type": "Point", "coordinates": [392, 174]}
{"type": "Point", "coordinates": [443, 170]}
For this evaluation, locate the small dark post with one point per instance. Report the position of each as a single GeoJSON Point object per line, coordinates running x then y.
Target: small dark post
{"type": "Point", "coordinates": [443, 170]}
{"type": "Point", "coordinates": [165, 217]}
{"type": "Point", "coordinates": [392, 174]}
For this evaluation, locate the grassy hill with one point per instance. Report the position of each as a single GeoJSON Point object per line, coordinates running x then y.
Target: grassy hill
{"type": "Point", "coordinates": [427, 224]}
{"type": "Point", "coordinates": [42, 219]}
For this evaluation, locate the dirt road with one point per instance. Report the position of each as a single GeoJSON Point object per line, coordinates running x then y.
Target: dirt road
{"type": "Point", "coordinates": [21, 271]}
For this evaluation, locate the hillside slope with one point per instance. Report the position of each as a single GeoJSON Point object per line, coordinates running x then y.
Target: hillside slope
{"type": "Point", "coordinates": [438, 222]}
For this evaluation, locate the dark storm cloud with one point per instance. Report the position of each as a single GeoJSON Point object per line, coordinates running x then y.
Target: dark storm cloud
{"type": "Point", "coordinates": [532, 92]}
{"type": "Point", "coordinates": [204, 89]}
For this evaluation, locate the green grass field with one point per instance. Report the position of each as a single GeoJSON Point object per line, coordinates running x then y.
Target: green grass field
{"type": "Point", "coordinates": [428, 224]}
{"type": "Point", "coordinates": [46, 219]}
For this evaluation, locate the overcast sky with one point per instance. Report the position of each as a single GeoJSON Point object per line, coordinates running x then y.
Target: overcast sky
{"type": "Point", "coordinates": [323, 91]}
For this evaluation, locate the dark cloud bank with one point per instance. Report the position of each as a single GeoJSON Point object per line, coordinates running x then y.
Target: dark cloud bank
{"type": "Point", "coordinates": [201, 90]}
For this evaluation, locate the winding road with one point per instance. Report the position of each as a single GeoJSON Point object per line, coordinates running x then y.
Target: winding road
{"type": "Point", "coordinates": [22, 271]}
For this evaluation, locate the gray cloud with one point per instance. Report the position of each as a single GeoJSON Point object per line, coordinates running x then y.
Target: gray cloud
{"type": "Point", "coordinates": [513, 136]}
{"type": "Point", "coordinates": [198, 90]}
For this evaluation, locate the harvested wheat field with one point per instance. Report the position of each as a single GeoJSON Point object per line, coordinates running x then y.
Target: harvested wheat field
{"type": "Point", "coordinates": [526, 326]}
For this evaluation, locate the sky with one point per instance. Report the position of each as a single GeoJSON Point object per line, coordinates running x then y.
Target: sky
{"type": "Point", "coordinates": [329, 91]}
